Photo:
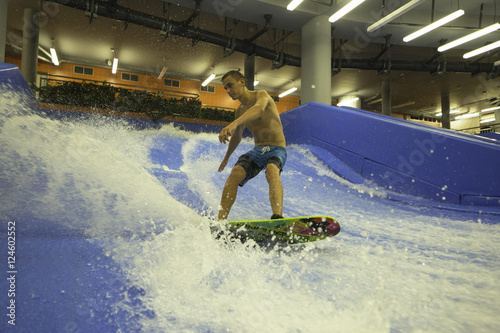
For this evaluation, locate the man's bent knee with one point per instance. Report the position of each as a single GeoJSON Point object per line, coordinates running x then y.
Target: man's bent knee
{"type": "Point", "coordinates": [272, 171]}
{"type": "Point", "coordinates": [238, 173]}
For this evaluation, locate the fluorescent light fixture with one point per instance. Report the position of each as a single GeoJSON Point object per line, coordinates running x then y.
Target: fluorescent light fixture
{"type": "Point", "coordinates": [434, 25]}
{"type": "Point", "coordinates": [348, 101]}
{"type": "Point", "coordinates": [439, 114]}
{"type": "Point", "coordinates": [467, 116]}
{"type": "Point", "coordinates": [344, 10]}
{"type": "Point", "coordinates": [487, 120]}
{"type": "Point", "coordinates": [207, 81]}
{"type": "Point", "coordinates": [469, 37]}
{"type": "Point", "coordinates": [398, 12]}
{"type": "Point", "coordinates": [288, 92]}
{"type": "Point", "coordinates": [255, 83]}
{"type": "Point", "coordinates": [375, 101]}
{"type": "Point", "coordinates": [163, 71]}
{"type": "Point", "coordinates": [483, 49]}
{"type": "Point", "coordinates": [115, 66]}
{"type": "Point", "coordinates": [403, 105]}
{"type": "Point", "coordinates": [292, 5]}
{"type": "Point", "coordinates": [53, 55]}
{"type": "Point", "coordinates": [491, 109]}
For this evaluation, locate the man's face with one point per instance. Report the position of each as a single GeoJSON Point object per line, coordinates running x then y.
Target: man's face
{"type": "Point", "coordinates": [234, 88]}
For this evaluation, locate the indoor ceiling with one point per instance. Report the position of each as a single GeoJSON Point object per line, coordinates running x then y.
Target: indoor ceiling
{"type": "Point", "coordinates": [80, 39]}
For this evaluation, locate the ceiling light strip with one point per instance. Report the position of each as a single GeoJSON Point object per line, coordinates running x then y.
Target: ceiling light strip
{"type": "Point", "coordinates": [53, 55]}
{"type": "Point", "coordinates": [483, 49]}
{"type": "Point", "coordinates": [348, 101]}
{"type": "Point", "coordinates": [162, 73]}
{"type": "Point", "coordinates": [292, 5]}
{"type": "Point", "coordinates": [469, 37]}
{"type": "Point", "coordinates": [115, 66]}
{"type": "Point", "coordinates": [491, 109]}
{"type": "Point", "coordinates": [398, 12]}
{"type": "Point", "coordinates": [288, 92]}
{"type": "Point", "coordinates": [487, 120]}
{"type": "Point", "coordinates": [344, 10]}
{"type": "Point", "coordinates": [404, 104]}
{"type": "Point", "coordinates": [467, 116]}
{"type": "Point", "coordinates": [208, 80]}
{"type": "Point", "coordinates": [434, 25]}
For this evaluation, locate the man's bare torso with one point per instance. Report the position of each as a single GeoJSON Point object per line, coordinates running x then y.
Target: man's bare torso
{"type": "Point", "coordinates": [266, 130]}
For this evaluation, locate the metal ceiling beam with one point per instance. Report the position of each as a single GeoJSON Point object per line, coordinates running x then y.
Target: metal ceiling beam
{"type": "Point", "coordinates": [418, 66]}
{"type": "Point", "coordinates": [177, 28]}
{"type": "Point", "coordinates": [112, 10]}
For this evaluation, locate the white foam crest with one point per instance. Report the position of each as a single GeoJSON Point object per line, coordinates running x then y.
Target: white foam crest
{"type": "Point", "coordinates": [206, 285]}
{"type": "Point", "coordinates": [13, 102]}
{"type": "Point", "coordinates": [82, 176]}
{"type": "Point", "coordinates": [202, 155]}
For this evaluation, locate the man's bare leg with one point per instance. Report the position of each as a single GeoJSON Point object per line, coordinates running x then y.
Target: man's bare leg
{"type": "Point", "coordinates": [275, 188]}
{"type": "Point", "coordinates": [230, 190]}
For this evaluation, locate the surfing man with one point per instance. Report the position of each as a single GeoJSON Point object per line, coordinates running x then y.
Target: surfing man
{"type": "Point", "coordinates": [259, 114]}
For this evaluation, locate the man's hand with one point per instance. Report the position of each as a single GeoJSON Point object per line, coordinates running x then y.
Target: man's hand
{"type": "Point", "coordinates": [223, 165]}
{"type": "Point", "coordinates": [226, 133]}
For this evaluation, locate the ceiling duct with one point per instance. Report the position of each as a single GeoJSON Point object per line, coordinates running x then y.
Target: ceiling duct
{"type": "Point", "coordinates": [177, 28]}
{"type": "Point", "coordinates": [124, 14]}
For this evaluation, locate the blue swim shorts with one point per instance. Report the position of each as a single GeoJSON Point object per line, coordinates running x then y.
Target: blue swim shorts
{"type": "Point", "coordinates": [258, 158]}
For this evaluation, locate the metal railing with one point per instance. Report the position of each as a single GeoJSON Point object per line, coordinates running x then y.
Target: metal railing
{"type": "Point", "coordinates": [495, 128]}
{"type": "Point", "coordinates": [218, 107]}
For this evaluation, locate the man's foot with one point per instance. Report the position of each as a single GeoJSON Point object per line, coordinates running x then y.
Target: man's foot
{"type": "Point", "coordinates": [276, 216]}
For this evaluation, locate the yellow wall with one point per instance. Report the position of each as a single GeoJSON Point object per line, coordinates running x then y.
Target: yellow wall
{"type": "Point", "coordinates": [217, 99]}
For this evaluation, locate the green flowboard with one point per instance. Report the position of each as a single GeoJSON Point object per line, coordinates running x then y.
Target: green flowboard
{"type": "Point", "coordinates": [291, 230]}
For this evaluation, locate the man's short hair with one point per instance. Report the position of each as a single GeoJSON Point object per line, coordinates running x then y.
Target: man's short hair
{"type": "Point", "coordinates": [235, 75]}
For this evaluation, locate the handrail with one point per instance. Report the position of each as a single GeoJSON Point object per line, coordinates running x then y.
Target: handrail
{"type": "Point", "coordinates": [218, 107]}
{"type": "Point", "coordinates": [495, 126]}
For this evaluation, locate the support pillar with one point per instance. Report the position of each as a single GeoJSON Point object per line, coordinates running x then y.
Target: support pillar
{"type": "Point", "coordinates": [316, 61]}
{"type": "Point", "coordinates": [250, 71]}
{"type": "Point", "coordinates": [445, 110]}
{"type": "Point", "coordinates": [3, 28]}
{"type": "Point", "coordinates": [386, 97]}
{"type": "Point", "coordinates": [29, 59]}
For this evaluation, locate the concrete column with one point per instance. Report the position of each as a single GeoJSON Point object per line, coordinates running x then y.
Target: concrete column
{"type": "Point", "coordinates": [3, 28]}
{"type": "Point", "coordinates": [29, 59]}
{"type": "Point", "coordinates": [250, 71]}
{"type": "Point", "coordinates": [316, 63]}
{"type": "Point", "coordinates": [386, 97]}
{"type": "Point", "coordinates": [445, 110]}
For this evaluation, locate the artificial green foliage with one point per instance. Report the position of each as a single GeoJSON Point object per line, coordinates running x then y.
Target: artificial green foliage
{"type": "Point", "coordinates": [154, 104]}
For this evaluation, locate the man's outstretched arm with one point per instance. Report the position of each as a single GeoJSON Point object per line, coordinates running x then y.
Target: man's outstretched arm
{"type": "Point", "coordinates": [233, 143]}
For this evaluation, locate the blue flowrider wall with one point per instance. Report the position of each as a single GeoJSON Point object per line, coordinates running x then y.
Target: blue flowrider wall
{"type": "Point", "coordinates": [405, 157]}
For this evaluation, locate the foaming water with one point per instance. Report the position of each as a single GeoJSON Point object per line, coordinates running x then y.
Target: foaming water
{"type": "Point", "coordinates": [140, 196]}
